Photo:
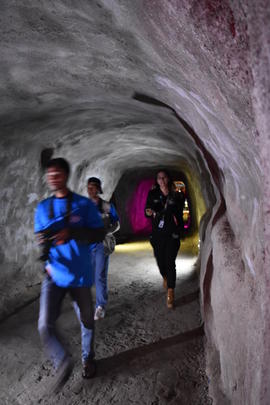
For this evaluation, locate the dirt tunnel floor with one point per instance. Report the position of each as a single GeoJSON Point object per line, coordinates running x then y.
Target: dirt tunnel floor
{"type": "Point", "coordinates": [146, 354]}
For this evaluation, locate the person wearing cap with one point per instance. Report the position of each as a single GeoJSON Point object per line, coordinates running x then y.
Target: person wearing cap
{"type": "Point", "coordinates": [100, 251]}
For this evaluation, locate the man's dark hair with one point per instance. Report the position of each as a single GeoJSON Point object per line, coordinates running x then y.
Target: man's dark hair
{"type": "Point", "coordinates": [61, 163]}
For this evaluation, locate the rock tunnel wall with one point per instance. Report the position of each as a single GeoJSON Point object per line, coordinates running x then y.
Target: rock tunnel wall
{"type": "Point", "coordinates": [68, 74]}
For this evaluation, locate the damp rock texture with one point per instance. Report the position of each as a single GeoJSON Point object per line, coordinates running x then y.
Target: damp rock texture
{"type": "Point", "coordinates": [115, 86]}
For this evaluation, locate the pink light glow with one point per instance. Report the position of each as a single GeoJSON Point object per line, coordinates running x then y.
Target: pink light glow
{"type": "Point", "coordinates": [135, 208]}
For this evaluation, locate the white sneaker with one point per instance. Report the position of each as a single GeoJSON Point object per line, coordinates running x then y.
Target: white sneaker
{"type": "Point", "coordinates": [99, 313]}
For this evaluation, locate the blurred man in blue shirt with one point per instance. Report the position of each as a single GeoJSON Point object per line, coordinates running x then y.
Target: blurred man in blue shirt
{"type": "Point", "coordinates": [66, 224]}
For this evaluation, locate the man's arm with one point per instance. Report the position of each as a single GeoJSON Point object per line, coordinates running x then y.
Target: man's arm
{"type": "Point", "coordinates": [93, 231]}
{"type": "Point", "coordinates": [87, 235]}
{"type": "Point", "coordinates": [115, 223]}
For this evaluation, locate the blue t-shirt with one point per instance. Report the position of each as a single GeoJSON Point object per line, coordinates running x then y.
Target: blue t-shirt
{"type": "Point", "coordinates": [69, 263]}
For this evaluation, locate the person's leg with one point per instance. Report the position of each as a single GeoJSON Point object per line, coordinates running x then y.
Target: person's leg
{"type": "Point", "coordinates": [50, 304]}
{"type": "Point", "coordinates": [170, 253]}
{"type": "Point", "coordinates": [172, 248]}
{"type": "Point", "coordinates": [101, 276]}
{"type": "Point", "coordinates": [83, 298]}
{"type": "Point", "coordinates": [100, 270]}
{"type": "Point", "coordinates": [159, 245]}
{"type": "Point", "coordinates": [84, 309]}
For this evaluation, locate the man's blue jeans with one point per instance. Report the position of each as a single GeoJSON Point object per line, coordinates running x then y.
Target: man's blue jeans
{"type": "Point", "coordinates": [50, 305]}
{"type": "Point", "coordinates": [100, 264]}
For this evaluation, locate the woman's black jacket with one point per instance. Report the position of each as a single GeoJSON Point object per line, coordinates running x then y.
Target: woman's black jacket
{"type": "Point", "coordinates": [168, 218]}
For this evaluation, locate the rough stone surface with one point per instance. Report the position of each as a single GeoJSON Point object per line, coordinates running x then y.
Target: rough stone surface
{"type": "Point", "coordinates": [68, 75]}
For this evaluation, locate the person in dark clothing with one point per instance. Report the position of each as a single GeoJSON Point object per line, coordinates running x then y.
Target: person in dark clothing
{"type": "Point", "coordinates": [164, 206]}
{"type": "Point", "coordinates": [66, 223]}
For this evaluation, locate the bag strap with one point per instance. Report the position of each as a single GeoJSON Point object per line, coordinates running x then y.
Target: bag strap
{"type": "Point", "coordinates": [104, 206]}
{"type": "Point", "coordinates": [69, 203]}
{"type": "Point", "coordinates": [170, 194]}
{"type": "Point", "coordinates": [166, 203]}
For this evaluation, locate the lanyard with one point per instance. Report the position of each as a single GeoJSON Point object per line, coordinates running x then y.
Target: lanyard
{"type": "Point", "coordinates": [166, 201]}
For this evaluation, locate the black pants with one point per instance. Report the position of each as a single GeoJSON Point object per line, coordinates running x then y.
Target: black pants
{"type": "Point", "coordinates": [51, 299]}
{"type": "Point", "coordinates": [165, 252]}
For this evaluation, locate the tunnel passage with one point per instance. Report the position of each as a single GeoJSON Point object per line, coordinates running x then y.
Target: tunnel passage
{"type": "Point", "coordinates": [126, 162]}
{"type": "Point", "coordinates": [144, 137]}
{"type": "Point", "coordinates": [68, 76]}
{"type": "Point", "coordinates": [130, 196]}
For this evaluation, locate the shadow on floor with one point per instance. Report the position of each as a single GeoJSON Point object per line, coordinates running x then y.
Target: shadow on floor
{"type": "Point", "coordinates": [122, 360]}
{"type": "Point", "coordinates": [187, 299]}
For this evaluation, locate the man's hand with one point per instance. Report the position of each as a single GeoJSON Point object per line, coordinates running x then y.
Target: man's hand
{"type": "Point", "coordinates": [62, 236]}
{"type": "Point", "coordinates": [40, 238]}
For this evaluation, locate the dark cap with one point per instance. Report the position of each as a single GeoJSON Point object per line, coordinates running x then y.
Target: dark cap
{"type": "Point", "coordinates": [95, 181]}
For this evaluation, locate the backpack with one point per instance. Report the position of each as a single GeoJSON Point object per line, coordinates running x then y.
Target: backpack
{"type": "Point", "coordinates": [109, 242]}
